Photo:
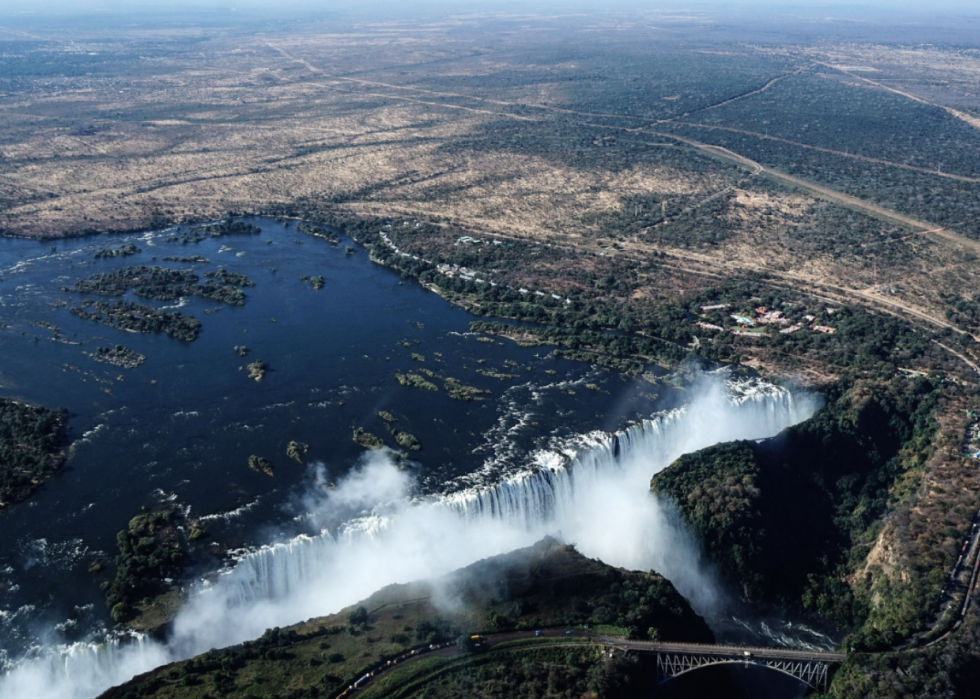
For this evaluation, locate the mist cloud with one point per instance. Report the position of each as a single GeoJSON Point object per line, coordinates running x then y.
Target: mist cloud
{"type": "Point", "coordinates": [601, 503]}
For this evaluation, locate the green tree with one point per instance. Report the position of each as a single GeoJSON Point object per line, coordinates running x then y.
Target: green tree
{"type": "Point", "coordinates": [358, 617]}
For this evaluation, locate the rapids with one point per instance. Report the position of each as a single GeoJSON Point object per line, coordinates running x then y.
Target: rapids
{"type": "Point", "coordinates": [591, 490]}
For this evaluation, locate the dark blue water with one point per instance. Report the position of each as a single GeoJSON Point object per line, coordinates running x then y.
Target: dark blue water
{"type": "Point", "coordinates": [181, 426]}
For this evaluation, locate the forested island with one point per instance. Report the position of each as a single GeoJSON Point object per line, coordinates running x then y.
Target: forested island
{"type": "Point", "coordinates": [196, 259]}
{"type": "Point", "coordinates": [415, 381]}
{"type": "Point", "coordinates": [297, 450]}
{"type": "Point", "coordinates": [124, 250]}
{"type": "Point", "coordinates": [126, 315]}
{"type": "Point", "coordinates": [640, 192]}
{"type": "Point", "coordinates": [314, 281]}
{"type": "Point", "coordinates": [119, 356]}
{"type": "Point", "coordinates": [150, 550]}
{"type": "Point", "coordinates": [260, 464]}
{"type": "Point", "coordinates": [406, 440]}
{"type": "Point", "coordinates": [367, 440]}
{"type": "Point", "coordinates": [226, 227]}
{"type": "Point", "coordinates": [256, 369]}
{"type": "Point", "coordinates": [458, 390]}
{"type": "Point", "coordinates": [163, 284]}
{"type": "Point", "coordinates": [226, 278]}
{"type": "Point", "coordinates": [31, 442]}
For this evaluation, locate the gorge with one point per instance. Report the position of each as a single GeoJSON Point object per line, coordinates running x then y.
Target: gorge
{"type": "Point", "coordinates": [593, 492]}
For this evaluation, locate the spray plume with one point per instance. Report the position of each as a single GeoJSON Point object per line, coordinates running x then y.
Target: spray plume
{"type": "Point", "coordinates": [596, 497]}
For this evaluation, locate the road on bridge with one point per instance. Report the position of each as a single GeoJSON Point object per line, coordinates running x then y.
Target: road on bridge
{"type": "Point", "coordinates": [728, 651]}
{"type": "Point", "coordinates": [580, 635]}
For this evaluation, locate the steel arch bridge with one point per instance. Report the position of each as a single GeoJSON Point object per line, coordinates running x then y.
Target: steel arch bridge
{"type": "Point", "coordinates": [814, 673]}
{"type": "Point", "coordinates": [813, 668]}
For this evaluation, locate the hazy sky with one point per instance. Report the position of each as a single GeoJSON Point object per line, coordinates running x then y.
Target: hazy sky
{"type": "Point", "coordinates": [403, 7]}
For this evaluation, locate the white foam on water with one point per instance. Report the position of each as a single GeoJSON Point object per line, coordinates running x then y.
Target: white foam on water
{"type": "Point", "coordinates": [592, 490]}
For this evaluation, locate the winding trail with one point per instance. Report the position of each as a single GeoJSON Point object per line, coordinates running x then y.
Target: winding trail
{"type": "Point", "coordinates": [736, 98]}
{"type": "Point", "coordinates": [456, 95]}
{"type": "Point", "coordinates": [825, 291]}
{"type": "Point", "coordinates": [947, 614]}
{"type": "Point", "coordinates": [920, 228]}
{"type": "Point", "coordinates": [957, 354]}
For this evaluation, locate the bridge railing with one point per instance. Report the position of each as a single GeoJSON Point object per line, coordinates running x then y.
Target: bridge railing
{"type": "Point", "coordinates": [671, 664]}
{"type": "Point", "coordinates": [740, 651]}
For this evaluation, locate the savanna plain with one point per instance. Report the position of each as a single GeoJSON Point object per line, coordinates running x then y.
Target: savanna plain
{"type": "Point", "coordinates": [490, 273]}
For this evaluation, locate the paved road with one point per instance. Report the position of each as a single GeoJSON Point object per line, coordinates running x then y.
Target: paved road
{"type": "Point", "coordinates": [578, 635]}
{"type": "Point", "coordinates": [734, 651]}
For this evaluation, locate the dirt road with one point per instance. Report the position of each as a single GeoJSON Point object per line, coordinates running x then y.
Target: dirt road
{"type": "Point", "coordinates": [966, 118]}
{"type": "Point", "coordinates": [843, 154]}
{"type": "Point", "coordinates": [894, 307]}
{"type": "Point", "coordinates": [923, 228]}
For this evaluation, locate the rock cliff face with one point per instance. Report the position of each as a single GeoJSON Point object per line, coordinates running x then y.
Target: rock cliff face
{"type": "Point", "coordinates": [793, 520]}
{"type": "Point", "coordinates": [548, 586]}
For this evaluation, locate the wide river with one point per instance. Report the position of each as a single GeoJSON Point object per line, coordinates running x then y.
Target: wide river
{"type": "Point", "coordinates": [180, 428]}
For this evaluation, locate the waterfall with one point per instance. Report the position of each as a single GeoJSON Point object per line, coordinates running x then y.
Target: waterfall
{"type": "Point", "coordinates": [83, 670]}
{"type": "Point", "coordinates": [593, 490]}
{"type": "Point", "coordinates": [753, 410]}
{"type": "Point", "coordinates": [568, 489]}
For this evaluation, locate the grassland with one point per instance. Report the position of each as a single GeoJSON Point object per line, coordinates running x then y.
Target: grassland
{"type": "Point", "coordinates": [565, 144]}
